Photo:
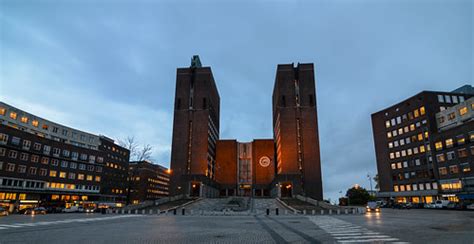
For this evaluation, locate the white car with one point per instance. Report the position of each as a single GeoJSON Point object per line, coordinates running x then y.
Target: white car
{"type": "Point", "coordinates": [73, 209]}
{"type": "Point", "coordinates": [470, 206]}
{"type": "Point", "coordinates": [441, 203]}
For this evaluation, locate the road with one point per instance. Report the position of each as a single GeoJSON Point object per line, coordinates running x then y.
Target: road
{"type": "Point", "coordinates": [390, 226]}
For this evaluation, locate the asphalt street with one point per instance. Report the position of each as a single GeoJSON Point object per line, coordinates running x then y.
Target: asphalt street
{"type": "Point", "coordinates": [390, 226]}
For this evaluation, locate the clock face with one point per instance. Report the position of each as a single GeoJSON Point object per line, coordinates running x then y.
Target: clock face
{"type": "Point", "coordinates": [264, 161]}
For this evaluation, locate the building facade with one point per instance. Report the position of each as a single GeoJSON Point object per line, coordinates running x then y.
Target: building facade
{"type": "Point", "coordinates": [148, 181]}
{"type": "Point", "coordinates": [454, 151]}
{"type": "Point", "coordinates": [48, 164]}
{"type": "Point", "coordinates": [295, 129]}
{"type": "Point", "coordinates": [195, 131]}
{"type": "Point", "coordinates": [287, 165]}
{"type": "Point", "coordinates": [404, 138]}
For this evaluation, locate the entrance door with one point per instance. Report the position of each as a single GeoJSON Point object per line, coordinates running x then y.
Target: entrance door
{"type": "Point", "coordinates": [286, 189]}
{"type": "Point", "coordinates": [195, 189]}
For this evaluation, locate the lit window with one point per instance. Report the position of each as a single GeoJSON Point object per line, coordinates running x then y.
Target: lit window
{"type": "Point", "coordinates": [387, 124]}
{"type": "Point", "coordinates": [35, 123]}
{"type": "Point", "coordinates": [412, 127]}
{"type": "Point", "coordinates": [13, 115]}
{"type": "Point", "coordinates": [462, 153]}
{"type": "Point", "coordinates": [422, 149]}
{"type": "Point", "coordinates": [392, 155]}
{"type": "Point", "coordinates": [80, 176]}
{"type": "Point", "coordinates": [443, 171]}
{"type": "Point", "coordinates": [416, 113]}
{"type": "Point", "coordinates": [3, 111]}
{"type": "Point", "coordinates": [451, 116]}
{"type": "Point", "coordinates": [453, 169]}
{"type": "Point", "coordinates": [422, 111]}
{"type": "Point", "coordinates": [89, 177]}
{"type": "Point", "coordinates": [97, 178]}
{"type": "Point", "coordinates": [62, 174]}
{"type": "Point", "coordinates": [440, 158]}
{"type": "Point", "coordinates": [24, 119]}
{"type": "Point", "coordinates": [415, 187]}
{"type": "Point", "coordinates": [45, 127]}
{"type": "Point", "coordinates": [452, 185]}
{"type": "Point", "coordinates": [389, 134]}
{"type": "Point", "coordinates": [461, 140]}
{"type": "Point", "coordinates": [449, 143]}
{"type": "Point", "coordinates": [395, 188]}
{"type": "Point", "coordinates": [439, 146]}
{"type": "Point", "coordinates": [402, 188]}
{"type": "Point", "coordinates": [52, 173]}
{"type": "Point", "coordinates": [420, 137]}
{"type": "Point", "coordinates": [394, 166]}
{"type": "Point", "coordinates": [463, 111]}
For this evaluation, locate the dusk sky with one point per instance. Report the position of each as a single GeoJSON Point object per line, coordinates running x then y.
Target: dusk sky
{"type": "Point", "coordinates": [110, 68]}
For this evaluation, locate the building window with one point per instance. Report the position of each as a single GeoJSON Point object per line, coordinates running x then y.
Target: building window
{"type": "Point", "coordinates": [24, 119]}
{"type": "Point", "coordinates": [56, 151]}
{"type": "Point", "coordinates": [101, 159]}
{"type": "Point", "coordinates": [416, 113]}
{"type": "Point", "coordinates": [65, 132]}
{"type": "Point", "coordinates": [2, 151]}
{"type": "Point", "coordinates": [455, 99]}
{"type": "Point", "coordinates": [64, 164]}
{"type": "Point", "coordinates": [37, 146]}
{"type": "Point", "coordinates": [62, 174]}
{"type": "Point", "coordinates": [440, 158]}
{"type": "Point", "coordinates": [453, 185]}
{"type": "Point", "coordinates": [443, 171]}
{"type": "Point", "coordinates": [3, 111]}
{"type": "Point", "coordinates": [34, 158]}
{"type": "Point", "coordinates": [460, 140]}
{"type": "Point", "coordinates": [438, 146]}
{"type": "Point", "coordinates": [43, 172]}
{"type": "Point", "coordinates": [10, 167]}
{"type": "Point", "coordinates": [46, 149]}
{"type": "Point", "coordinates": [13, 115]}
{"type": "Point", "coordinates": [462, 152]}
{"type": "Point", "coordinates": [74, 155]}
{"type": "Point", "coordinates": [90, 167]}
{"type": "Point", "coordinates": [447, 98]}
{"type": "Point", "coordinates": [463, 111]}
{"type": "Point", "coordinates": [55, 129]}
{"type": "Point", "coordinates": [16, 141]}
{"type": "Point", "coordinates": [12, 154]}
{"type": "Point", "coordinates": [450, 155]}
{"type": "Point", "coordinates": [97, 178]}
{"type": "Point", "coordinates": [73, 165]}
{"type": "Point", "coordinates": [54, 162]}
{"type": "Point", "coordinates": [82, 166]}
{"type": "Point", "coordinates": [422, 111]}
{"type": "Point", "coordinates": [89, 177]}
{"type": "Point", "coordinates": [451, 116]}
{"type": "Point", "coordinates": [394, 166]}
{"type": "Point", "coordinates": [21, 169]}
{"type": "Point", "coordinates": [32, 171]}
{"type": "Point", "coordinates": [45, 127]}
{"type": "Point", "coordinates": [83, 156]}
{"type": "Point", "coordinates": [65, 153]}
{"type": "Point", "coordinates": [465, 167]}
{"type": "Point", "coordinates": [3, 138]}
{"type": "Point", "coordinates": [26, 144]}
{"type": "Point", "coordinates": [24, 156]}
{"type": "Point", "coordinates": [395, 188]}
{"type": "Point", "coordinates": [80, 176]}
{"type": "Point", "coordinates": [453, 169]}
{"type": "Point", "coordinates": [35, 123]}
{"type": "Point", "coordinates": [441, 98]}
{"type": "Point", "coordinates": [52, 173]}
{"type": "Point", "coordinates": [44, 160]}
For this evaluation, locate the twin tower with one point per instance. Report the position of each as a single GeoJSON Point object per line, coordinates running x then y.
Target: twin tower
{"type": "Point", "coordinates": [204, 165]}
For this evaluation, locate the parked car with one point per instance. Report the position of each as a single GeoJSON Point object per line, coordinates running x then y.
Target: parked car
{"type": "Point", "coordinates": [373, 207]}
{"type": "Point", "coordinates": [470, 206]}
{"type": "Point", "coordinates": [89, 210]}
{"type": "Point", "coordinates": [441, 203]}
{"type": "Point", "coordinates": [72, 209]}
{"type": "Point", "coordinates": [429, 205]}
{"type": "Point", "coordinates": [35, 211]}
{"type": "Point", "coordinates": [3, 212]}
{"type": "Point", "coordinates": [402, 205]}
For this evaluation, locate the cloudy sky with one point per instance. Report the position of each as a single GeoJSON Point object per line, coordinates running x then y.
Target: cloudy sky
{"type": "Point", "coordinates": [109, 68]}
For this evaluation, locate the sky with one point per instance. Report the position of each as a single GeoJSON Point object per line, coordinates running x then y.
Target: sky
{"type": "Point", "coordinates": [109, 67]}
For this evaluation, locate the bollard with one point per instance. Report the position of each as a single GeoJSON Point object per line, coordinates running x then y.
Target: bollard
{"type": "Point", "coordinates": [286, 212]}
{"type": "Point", "coordinates": [136, 211]}
{"type": "Point", "coordinates": [123, 211]}
{"type": "Point", "coordinates": [183, 211]}
{"type": "Point", "coordinates": [191, 212]}
{"type": "Point", "coordinates": [346, 211]}
{"type": "Point", "coordinates": [276, 211]}
{"type": "Point", "coordinates": [143, 211]}
{"type": "Point", "coordinates": [268, 211]}
{"type": "Point", "coordinates": [322, 212]}
{"type": "Point", "coordinates": [295, 212]}
{"type": "Point", "coordinates": [174, 211]}
{"type": "Point", "coordinates": [304, 212]}
{"type": "Point", "coordinates": [330, 211]}
{"type": "Point", "coordinates": [150, 212]}
{"type": "Point", "coordinates": [353, 211]}
{"type": "Point", "coordinates": [338, 211]}
{"type": "Point", "coordinates": [313, 212]}
{"type": "Point", "coordinates": [166, 212]}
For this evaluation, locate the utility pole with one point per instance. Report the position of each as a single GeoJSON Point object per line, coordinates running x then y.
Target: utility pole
{"type": "Point", "coordinates": [370, 180]}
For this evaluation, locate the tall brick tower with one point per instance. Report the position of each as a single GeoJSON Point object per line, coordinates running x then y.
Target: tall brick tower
{"type": "Point", "coordinates": [295, 128]}
{"type": "Point", "coordinates": [195, 132]}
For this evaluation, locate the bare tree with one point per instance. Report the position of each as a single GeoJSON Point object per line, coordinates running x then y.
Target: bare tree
{"type": "Point", "coordinates": [130, 144]}
{"type": "Point", "coordinates": [144, 153]}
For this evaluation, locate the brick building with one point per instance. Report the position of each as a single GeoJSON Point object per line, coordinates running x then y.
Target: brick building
{"type": "Point", "coordinates": [45, 163]}
{"type": "Point", "coordinates": [148, 181]}
{"type": "Point", "coordinates": [404, 137]}
{"type": "Point", "coordinates": [203, 165]}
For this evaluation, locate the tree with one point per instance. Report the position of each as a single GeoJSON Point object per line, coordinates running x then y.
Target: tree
{"type": "Point", "coordinates": [137, 153]}
{"type": "Point", "coordinates": [144, 153]}
{"type": "Point", "coordinates": [357, 196]}
{"type": "Point", "coordinates": [376, 179]}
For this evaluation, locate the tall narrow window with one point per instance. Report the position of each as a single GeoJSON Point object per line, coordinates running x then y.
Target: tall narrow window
{"type": "Point", "coordinates": [283, 101]}
{"type": "Point", "coordinates": [204, 103]}
{"type": "Point", "coordinates": [311, 102]}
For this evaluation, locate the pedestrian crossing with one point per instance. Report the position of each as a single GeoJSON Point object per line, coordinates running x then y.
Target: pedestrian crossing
{"type": "Point", "coordinates": [345, 232]}
{"type": "Point", "coordinates": [67, 221]}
